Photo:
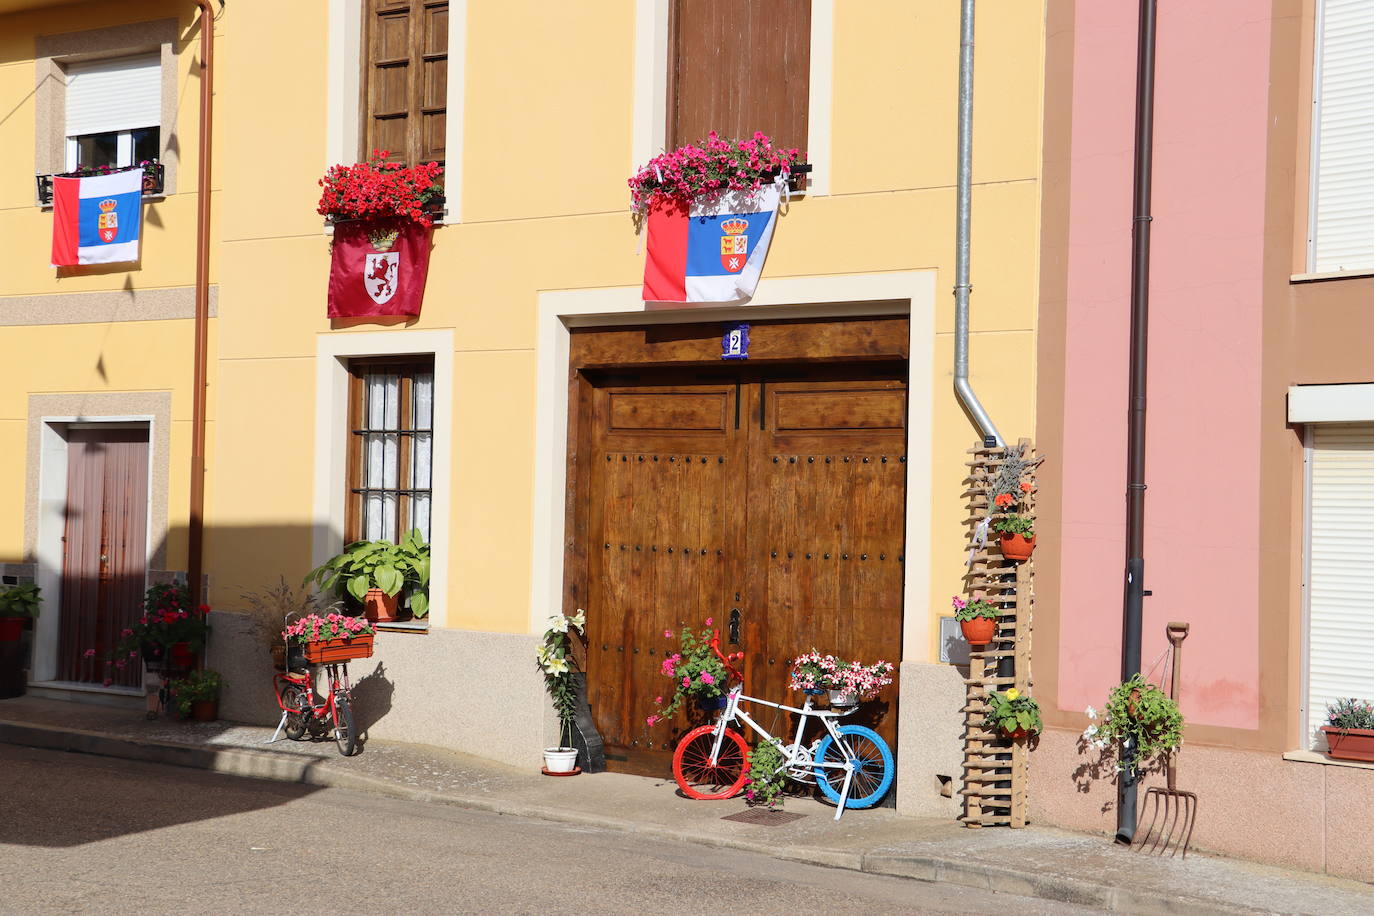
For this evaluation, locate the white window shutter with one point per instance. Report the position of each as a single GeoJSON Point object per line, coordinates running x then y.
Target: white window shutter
{"type": "Point", "coordinates": [112, 95]}
{"type": "Point", "coordinates": [1342, 228]}
{"type": "Point", "coordinates": [1341, 580]}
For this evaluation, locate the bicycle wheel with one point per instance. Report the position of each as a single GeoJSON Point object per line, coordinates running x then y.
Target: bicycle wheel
{"type": "Point", "coordinates": [293, 698]}
{"type": "Point", "coordinates": [344, 733]}
{"type": "Point", "coordinates": [697, 777]}
{"type": "Point", "coordinates": [873, 772]}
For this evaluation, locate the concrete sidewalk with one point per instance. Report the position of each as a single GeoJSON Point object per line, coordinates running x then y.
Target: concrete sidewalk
{"type": "Point", "coordinates": [1036, 861]}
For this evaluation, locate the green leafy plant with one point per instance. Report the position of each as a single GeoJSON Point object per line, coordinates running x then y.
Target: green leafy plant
{"type": "Point", "coordinates": [765, 780]}
{"type": "Point", "coordinates": [1014, 524]}
{"type": "Point", "coordinates": [20, 601]}
{"type": "Point", "coordinates": [197, 686]}
{"type": "Point", "coordinates": [558, 663]}
{"type": "Point", "coordinates": [1011, 710]}
{"type": "Point", "coordinates": [978, 607]}
{"type": "Point", "coordinates": [390, 567]}
{"type": "Point", "coordinates": [1140, 713]}
{"type": "Point", "coordinates": [1350, 713]}
{"type": "Point", "coordinates": [695, 669]}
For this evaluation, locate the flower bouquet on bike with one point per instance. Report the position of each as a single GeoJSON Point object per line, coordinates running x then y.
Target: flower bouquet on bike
{"type": "Point", "coordinates": [851, 765]}
{"type": "Point", "coordinates": [331, 638]}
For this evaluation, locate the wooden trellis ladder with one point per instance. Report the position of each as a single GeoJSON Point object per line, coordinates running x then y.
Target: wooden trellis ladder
{"type": "Point", "coordinates": [995, 768]}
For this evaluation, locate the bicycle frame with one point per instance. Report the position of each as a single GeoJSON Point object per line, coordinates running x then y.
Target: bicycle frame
{"type": "Point", "coordinates": [338, 680]}
{"type": "Point", "coordinates": [794, 754]}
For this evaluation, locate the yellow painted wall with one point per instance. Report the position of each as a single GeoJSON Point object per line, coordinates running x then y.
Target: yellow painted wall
{"type": "Point", "coordinates": [547, 137]}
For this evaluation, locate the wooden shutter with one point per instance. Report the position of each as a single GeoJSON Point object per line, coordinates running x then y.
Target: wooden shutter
{"type": "Point", "coordinates": [737, 66]}
{"type": "Point", "coordinates": [1340, 634]}
{"type": "Point", "coordinates": [405, 79]}
{"type": "Point", "coordinates": [1342, 218]}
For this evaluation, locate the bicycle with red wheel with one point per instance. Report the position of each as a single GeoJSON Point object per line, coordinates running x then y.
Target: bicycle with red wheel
{"type": "Point", "coordinates": [313, 643]}
{"type": "Point", "coordinates": [851, 765]}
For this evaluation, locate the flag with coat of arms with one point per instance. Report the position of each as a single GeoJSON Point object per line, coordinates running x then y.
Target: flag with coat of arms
{"type": "Point", "coordinates": [96, 218]}
{"type": "Point", "coordinates": [712, 251]}
{"type": "Point", "coordinates": [378, 267]}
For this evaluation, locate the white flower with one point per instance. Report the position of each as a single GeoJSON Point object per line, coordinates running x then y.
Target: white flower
{"type": "Point", "coordinates": [556, 666]}
{"type": "Point", "coordinates": [1089, 732]}
{"type": "Point", "coordinates": [558, 623]}
{"type": "Point", "coordinates": [1092, 713]}
{"type": "Point", "coordinates": [579, 619]}
{"type": "Point", "coordinates": [1100, 744]}
{"type": "Point", "coordinates": [542, 653]}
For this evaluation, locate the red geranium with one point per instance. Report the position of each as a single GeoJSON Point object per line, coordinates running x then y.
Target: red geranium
{"type": "Point", "coordinates": [377, 189]}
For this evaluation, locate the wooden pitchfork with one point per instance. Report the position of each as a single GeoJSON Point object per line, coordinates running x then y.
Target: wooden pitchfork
{"type": "Point", "coordinates": [1174, 810]}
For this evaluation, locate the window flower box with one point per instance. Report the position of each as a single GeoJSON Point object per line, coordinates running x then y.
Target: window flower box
{"type": "Point", "coordinates": [153, 177]}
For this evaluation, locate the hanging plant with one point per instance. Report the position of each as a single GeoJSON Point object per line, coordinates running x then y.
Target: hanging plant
{"type": "Point", "coordinates": [377, 189]}
{"type": "Point", "coordinates": [1140, 713]}
{"type": "Point", "coordinates": [709, 167]}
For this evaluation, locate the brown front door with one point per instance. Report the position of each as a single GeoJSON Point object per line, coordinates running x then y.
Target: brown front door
{"type": "Point", "coordinates": [105, 550]}
{"type": "Point", "coordinates": [773, 498]}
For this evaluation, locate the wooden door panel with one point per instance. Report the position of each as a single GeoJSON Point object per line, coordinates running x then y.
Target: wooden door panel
{"type": "Point", "coordinates": [782, 498]}
{"type": "Point", "coordinates": [827, 487]}
{"type": "Point", "coordinates": [662, 552]}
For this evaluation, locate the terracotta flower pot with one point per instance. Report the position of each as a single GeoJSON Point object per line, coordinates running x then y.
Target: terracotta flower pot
{"type": "Point", "coordinates": [1350, 743]}
{"type": "Point", "coordinates": [1015, 547]}
{"type": "Point", "coordinates": [1013, 735]}
{"type": "Point", "coordinates": [11, 628]}
{"type": "Point", "coordinates": [979, 631]}
{"type": "Point", "coordinates": [379, 607]}
{"type": "Point", "coordinates": [205, 710]}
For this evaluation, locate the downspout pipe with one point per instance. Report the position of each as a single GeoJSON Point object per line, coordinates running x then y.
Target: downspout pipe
{"type": "Point", "coordinates": [964, 191]}
{"type": "Point", "coordinates": [1135, 593]}
{"type": "Point", "coordinates": [195, 529]}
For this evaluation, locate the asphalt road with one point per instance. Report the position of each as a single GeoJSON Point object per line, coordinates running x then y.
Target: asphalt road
{"type": "Point", "coordinates": [83, 834]}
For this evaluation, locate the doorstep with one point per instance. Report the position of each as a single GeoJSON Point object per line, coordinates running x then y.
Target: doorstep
{"type": "Point", "coordinates": [91, 694]}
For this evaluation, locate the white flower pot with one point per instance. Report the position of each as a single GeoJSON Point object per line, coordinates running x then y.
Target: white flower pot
{"type": "Point", "coordinates": [843, 698]}
{"type": "Point", "coordinates": [560, 759]}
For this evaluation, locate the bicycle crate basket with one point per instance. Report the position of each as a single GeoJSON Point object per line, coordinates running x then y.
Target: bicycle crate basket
{"type": "Point", "coordinates": [338, 650]}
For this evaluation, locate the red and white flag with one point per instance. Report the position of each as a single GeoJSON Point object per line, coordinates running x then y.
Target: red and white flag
{"type": "Point", "coordinates": [378, 268]}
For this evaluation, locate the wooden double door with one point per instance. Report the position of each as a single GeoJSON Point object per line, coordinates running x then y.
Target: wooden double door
{"type": "Point", "coordinates": [769, 501]}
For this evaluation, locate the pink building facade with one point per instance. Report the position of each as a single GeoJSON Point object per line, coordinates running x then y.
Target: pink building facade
{"type": "Point", "coordinates": [1239, 321]}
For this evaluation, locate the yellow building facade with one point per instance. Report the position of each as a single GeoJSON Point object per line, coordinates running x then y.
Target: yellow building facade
{"type": "Point", "coordinates": [549, 110]}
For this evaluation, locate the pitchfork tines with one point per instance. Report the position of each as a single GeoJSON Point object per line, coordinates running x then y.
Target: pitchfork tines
{"type": "Point", "coordinates": [1173, 811]}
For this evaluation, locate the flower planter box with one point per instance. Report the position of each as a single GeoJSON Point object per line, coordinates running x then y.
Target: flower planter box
{"type": "Point", "coordinates": [338, 650]}
{"type": "Point", "coordinates": [1350, 743]}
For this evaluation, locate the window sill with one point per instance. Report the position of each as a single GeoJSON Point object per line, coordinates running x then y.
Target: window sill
{"type": "Point", "coordinates": [440, 219]}
{"type": "Point", "coordinates": [403, 626]}
{"type": "Point", "coordinates": [1318, 757]}
{"type": "Point", "coordinates": [1333, 275]}
{"type": "Point", "coordinates": [147, 199]}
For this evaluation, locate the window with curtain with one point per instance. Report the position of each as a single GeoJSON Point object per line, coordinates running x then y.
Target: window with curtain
{"type": "Point", "coordinates": [737, 66]}
{"type": "Point", "coordinates": [1341, 223]}
{"type": "Point", "coordinates": [390, 447]}
{"type": "Point", "coordinates": [405, 79]}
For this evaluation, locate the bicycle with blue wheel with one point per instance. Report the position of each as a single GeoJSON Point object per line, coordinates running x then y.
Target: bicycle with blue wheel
{"type": "Point", "coordinates": [851, 765]}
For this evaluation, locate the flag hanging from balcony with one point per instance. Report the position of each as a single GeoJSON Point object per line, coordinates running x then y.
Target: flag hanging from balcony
{"type": "Point", "coordinates": [378, 268]}
{"type": "Point", "coordinates": [96, 218]}
{"type": "Point", "coordinates": [712, 252]}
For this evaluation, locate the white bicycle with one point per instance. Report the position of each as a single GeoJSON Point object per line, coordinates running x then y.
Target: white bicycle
{"type": "Point", "coordinates": [852, 765]}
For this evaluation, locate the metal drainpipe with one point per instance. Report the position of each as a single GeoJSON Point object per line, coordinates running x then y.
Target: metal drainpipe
{"type": "Point", "coordinates": [1134, 598]}
{"type": "Point", "coordinates": [195, 528]}
{"type": "Point", "coordinates": [964, 182]}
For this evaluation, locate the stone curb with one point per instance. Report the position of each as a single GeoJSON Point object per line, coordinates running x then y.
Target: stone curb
{"type": "Point", "coordinates": [307, 770]}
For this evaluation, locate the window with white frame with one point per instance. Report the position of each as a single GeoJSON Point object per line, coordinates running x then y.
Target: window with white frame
{"type": "Point", "coordinates": [1341, 222]}
{"type": "Point", "coordinates": [390, 448]}
{"type": "Point", "coordinates": [1340, 573]}
{"type": "Point", "coordinates": [113, 111]}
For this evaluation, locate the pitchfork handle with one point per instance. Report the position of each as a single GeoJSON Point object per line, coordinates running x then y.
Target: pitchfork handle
{"type": "Point", "coordinates": [1177, 632]}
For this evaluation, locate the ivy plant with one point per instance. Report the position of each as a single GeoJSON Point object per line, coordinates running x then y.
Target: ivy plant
{"type": "Point", "coordinates": [765, 780]}
{"type": "Point", "coordinates": [1140, 713]}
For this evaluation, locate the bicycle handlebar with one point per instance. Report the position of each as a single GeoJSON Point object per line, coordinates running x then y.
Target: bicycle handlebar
{"type": "Point", "coordinates": [726, 659]}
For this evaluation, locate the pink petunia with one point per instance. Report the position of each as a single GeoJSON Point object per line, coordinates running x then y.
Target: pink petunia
{"type": "Point", "coordinates": [686, 681]}
{"type": "Point", "coordinates": [710, 620]}
{"type": "Point", "coordinates": [667, 634]}
{"type": "Point", "coordinates": [706, 678]}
